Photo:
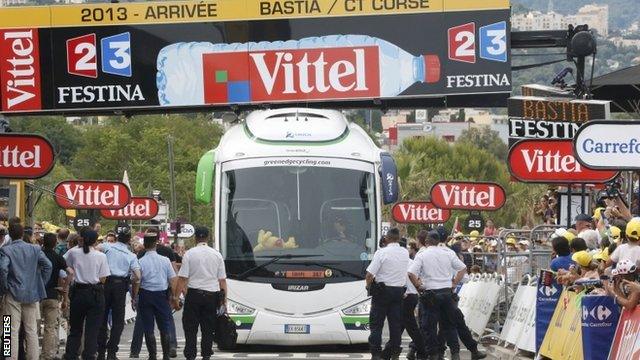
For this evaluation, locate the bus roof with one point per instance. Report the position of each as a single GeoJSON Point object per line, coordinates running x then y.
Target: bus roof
{"type": "Point", "coordinates": [296, 132]}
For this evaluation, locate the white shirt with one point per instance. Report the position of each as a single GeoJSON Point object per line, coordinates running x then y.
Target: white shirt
{"type": "Point", "coordinates": [203, 266]}
{"type": "Point", "coordinates": [410, 288]}
{"type": "Point", "coordinates": [88, 268]}
{"type": "Point", "coordinates": [435, 265]}
{"type": "Point", "coordinates": [628, 251]}
{"type": "Point", "coordinates": [389, 265]}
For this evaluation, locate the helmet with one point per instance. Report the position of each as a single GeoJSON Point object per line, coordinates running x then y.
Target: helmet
{"type": "Point", "coordinates": [582, 258]}
{"type": "Point", "coordinates": [602, 255]}
{"type": "Point", "coordinates": [633, 229]}
{"type": "Point", "coordinates": [624, 267]}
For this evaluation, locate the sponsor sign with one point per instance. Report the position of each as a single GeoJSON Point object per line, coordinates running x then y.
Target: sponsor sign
{"type": "Point", "coordinates": [563, 339]}
{"type": "Point", "coordinates": [389, 179]}
{"type": "Point", "coordinates": [139, 208]}
{"type": "Point", "coordinates": [419, 212]}
{"type": "Point", "coordinates": [551, 118]}
{"type": "Point", "coordinates": [551, 161]}
{"type": "Point", "coordinates": [24, 156]}
{"type": "Point", "coordinates": [461, 195]}
{"type": "Point", "coordinates": [626, 343]}
{"type": "Point", "coordinates": [108, 195]}
{"type": "Point", "coordinates": [599, 319]}
{"type": "Point", "coordinates": [474, 221]}
{"type": "Point", "coordinates": [547, 296]}
{"type": "Point", "coordinates": [609, 145]}
{"type": "Point", "coordinates": [186, 230]}
{"type": "Point", "coordinates": [81, 221]}
{"type": "Point", "coordinates": [142, 56]}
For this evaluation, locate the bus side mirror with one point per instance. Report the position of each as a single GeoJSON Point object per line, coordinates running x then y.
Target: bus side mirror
{"type": "Point", "coordinates": [389, 179]}
{"type": "Point", "coordinates": [204, 177]}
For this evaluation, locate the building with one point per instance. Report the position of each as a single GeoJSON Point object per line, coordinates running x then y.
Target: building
{"type": "Point", "coordinates": [15, 2]}
{"type": "Point", "coordinates": [596, 16]}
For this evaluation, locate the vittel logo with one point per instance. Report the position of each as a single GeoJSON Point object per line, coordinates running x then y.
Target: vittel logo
{"type": "Point", "coordinates": [20, 70]}
{"type": "Point", "coordinates": [92, 195]}
{"type": "Point", "coordinates": [291, 74]}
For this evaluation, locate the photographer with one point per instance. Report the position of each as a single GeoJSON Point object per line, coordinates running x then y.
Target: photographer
{"type": "Point", "coordinates": [386, 279]}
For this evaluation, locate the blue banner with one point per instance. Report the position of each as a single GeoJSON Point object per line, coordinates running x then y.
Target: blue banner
{"type": "Point", "coordinates": [546, 300]}
{"type": "Point", "coordinates": [389, 178]}
{"type": "Point", "coordinates": [600, 316]}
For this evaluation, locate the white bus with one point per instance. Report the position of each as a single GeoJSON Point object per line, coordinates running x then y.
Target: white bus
{"type": "Point", "coordinates": [297, 195]}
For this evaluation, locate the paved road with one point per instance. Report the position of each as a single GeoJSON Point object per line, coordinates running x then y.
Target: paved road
{"type": "Point", "coordinates": [262, 352]}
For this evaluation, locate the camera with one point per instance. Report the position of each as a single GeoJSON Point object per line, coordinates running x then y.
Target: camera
{"type": "Point", "coordinates": [612, 189]}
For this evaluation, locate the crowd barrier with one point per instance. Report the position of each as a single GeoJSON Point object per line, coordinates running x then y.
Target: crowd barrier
{"type": "Point", "coordinates": [478, 298]}
{"type": "Point", "coordinates": [519, 326]}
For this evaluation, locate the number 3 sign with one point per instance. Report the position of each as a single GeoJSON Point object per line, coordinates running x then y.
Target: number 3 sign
{"type": "Point", "coordinates": [493, 42]}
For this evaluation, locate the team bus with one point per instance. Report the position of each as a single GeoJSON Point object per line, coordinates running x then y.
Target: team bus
{"type": "Point", "coordinates": [297, 196]}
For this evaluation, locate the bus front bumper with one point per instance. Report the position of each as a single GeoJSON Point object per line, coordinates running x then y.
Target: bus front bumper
{"type": "Point", "coordinates": [274, 329]}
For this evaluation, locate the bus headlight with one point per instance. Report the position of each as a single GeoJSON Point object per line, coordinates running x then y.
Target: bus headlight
{"type": "Point", "coordinates": [361, 308]}
{"type": "Point", "coordinates": [238, 309]}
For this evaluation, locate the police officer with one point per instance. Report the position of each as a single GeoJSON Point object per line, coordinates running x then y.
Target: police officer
{"type": "Point", "coordinates": [386, 279]}
{"type": "Point", "coordinates": [203, 269]}
{"type": "Point", "coordinates": [87, 296]}
{"type": "Point", "coordinates": [124, 269]}
{"type": "Point", "coordinates": [431, 273]}
{"type": "Point", "coordinates": [156, 275]}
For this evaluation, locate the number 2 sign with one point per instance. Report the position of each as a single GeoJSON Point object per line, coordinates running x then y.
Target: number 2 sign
{"type": "Point", "coordinates": [82, 55]}
{"type": "Point", "coordinates": [462, 43]}
{"type": "Point", "coordinates": [493, 42]}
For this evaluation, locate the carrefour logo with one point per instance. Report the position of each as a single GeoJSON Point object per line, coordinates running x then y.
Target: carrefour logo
{"type": "Point", "coordinates": [548, 290]}
{"type": "Point", "coordinates": [599, 312]}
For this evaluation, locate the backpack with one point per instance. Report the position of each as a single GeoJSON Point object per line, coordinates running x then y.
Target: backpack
{"type": "Point", "coordinates": [226, 335]}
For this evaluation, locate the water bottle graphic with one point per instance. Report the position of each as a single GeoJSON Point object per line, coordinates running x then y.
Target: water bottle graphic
{"type": "Point", "coordinates": [314, 68]}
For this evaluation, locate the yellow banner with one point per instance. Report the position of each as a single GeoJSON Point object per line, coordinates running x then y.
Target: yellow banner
{"type": "Point", "coordinates": [169, 12]}
{"type": "Point", "coordinates": [563, 339]}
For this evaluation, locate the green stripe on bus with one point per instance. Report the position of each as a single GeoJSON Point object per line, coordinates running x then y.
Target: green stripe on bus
{"type": "Point", "coordinates": [354, 319]}
{"type": "Point", "coordinates": [244, 319]}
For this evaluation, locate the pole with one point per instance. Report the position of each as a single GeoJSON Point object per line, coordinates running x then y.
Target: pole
{"type": "Point", "coordinates": [172, 179]}
{"type": "Point", "coordinates": [583, 192]}
{"type": "Point", "coordinates": [569, 206]}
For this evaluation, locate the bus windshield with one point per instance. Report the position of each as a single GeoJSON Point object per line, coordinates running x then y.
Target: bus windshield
{"type": "Point", "coordinates": [311, 219]}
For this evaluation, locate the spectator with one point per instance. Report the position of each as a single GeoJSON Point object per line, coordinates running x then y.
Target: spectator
{"type": "Point", "coordinates": [588, 268]}
{"type": "Point", "coordinates": [511, 244]}
{"type": "Point", "coordinates": [578, 244]}
{"type": "Point", "coordinates": [614, 234]}
{"type": "Point", "coordinates": [563, 254]}
{"type": "Point", "coordinates": [489, 228]}
{"type": "Point", "coordinates": [625, 295]}
{"type": "Point", "coordinates": [50, 307]}
{"type": "Point", "coordinates": [591, 238]}
{"type": "Point", "coordinates": [24, 270]}
{"type": "Point", "coordinates": [631, 250]}
{"type": "Point", "coordinates": [62, 246]}
{"type": "Point", "coordinates": [583, 222]}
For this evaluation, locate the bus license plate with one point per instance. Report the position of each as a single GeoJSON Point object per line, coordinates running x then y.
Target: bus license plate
{"type": "Point", "coordinates": [297, 329]}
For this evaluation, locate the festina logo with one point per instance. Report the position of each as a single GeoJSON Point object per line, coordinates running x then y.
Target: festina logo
{"type": "Point", "coordinates": [457, 195]}
{"type": "Point", "coordinates": [478, 81]}
{"type": "Point", "coordinates": [20, 70]}
{"type": "Point", "coordinates": [13, 157]}
{"type": "Point", "coordinates": [102, 93]}
{"type": "Point", "coordinates": [549, 161]}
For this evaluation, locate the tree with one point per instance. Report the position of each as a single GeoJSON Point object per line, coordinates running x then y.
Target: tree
{"type": "Point", "coordinates": [65, 138]}
{"type": "Point", "coordinates": [424, 161]}
{"type": "Point", "coordinates": [485, 139]}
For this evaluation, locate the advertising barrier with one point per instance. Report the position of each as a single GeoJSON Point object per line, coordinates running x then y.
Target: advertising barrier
{"type": "Point", "coordinates": [527, 339]}
{"type": "Point", "coordinates": [600, 316]}
{"type": "Point", "coordinates": [171, 55]}
{"type": "Point", "coordinates": [519, 326]}
{"type": "Point", "coordinates": [478, 298]}
{"type": "Point", "coordinates": [547, 296]}
{"type": "Point", "coordinates": [626, 343]}
{"type": "Point", "coordinates": [563, 339]}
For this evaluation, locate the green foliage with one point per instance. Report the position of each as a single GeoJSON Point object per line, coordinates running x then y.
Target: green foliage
{"type": "Point", "coordinates": [424, 161]}
{"type": "Point", "coordinates": [138, 145]}
{"type": "Point", "coordinates": [65, 138]}
{"type": "Point", "coordinates": [486, 139]}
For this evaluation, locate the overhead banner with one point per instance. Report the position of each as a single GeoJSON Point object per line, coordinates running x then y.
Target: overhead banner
{"type": "Point", "coordinates": [533, 117]}
{"type": "Point", "coordinates": [172, 55]}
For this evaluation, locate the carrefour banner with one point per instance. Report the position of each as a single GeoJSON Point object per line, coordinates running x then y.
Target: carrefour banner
{"type": "Point", "coordinates": [171, 55]}
{"type": "Point", "coordinates": [547, 295]}
{"type": "Point", "coordinates": [599, 319]}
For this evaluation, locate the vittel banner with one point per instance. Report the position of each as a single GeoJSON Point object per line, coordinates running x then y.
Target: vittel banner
{"type": "Point", "coordinates": [219, 53]}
